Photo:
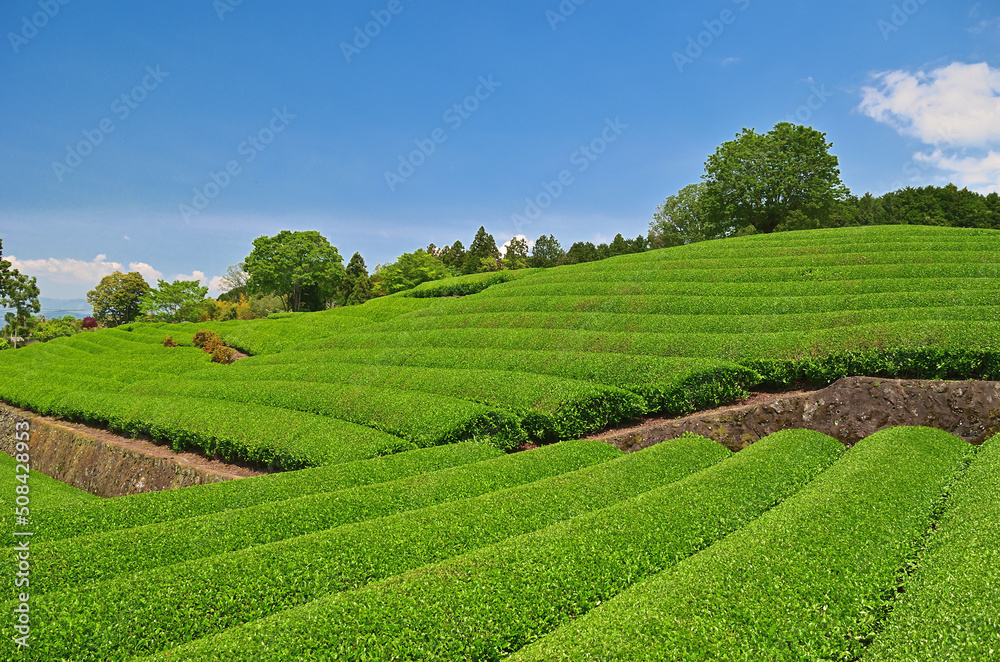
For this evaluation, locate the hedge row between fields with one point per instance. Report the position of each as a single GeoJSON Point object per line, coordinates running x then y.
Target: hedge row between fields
{"type": "Point", "coordinates": [137, 510]}
{"type": "Point", "coordinates": [491, 602]}
{"type": "Point", "coordinates": [83, 560]}
{"type": "Point", "coordinates": [949, 608]}
{"type": "Point", "coordinates": [811, 580]}
{"type": "Point", "coordinates": [115, 620]}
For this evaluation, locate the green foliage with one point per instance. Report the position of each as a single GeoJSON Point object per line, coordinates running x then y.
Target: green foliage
{"type": "Point", "coordinates": [453, 256]}
{"type": "Point", "coordinates": [681, 219]}
{"type": "Point", "coordinates": [947, 610]}
{"type": "Point", "coordinates": [298, 267]}
{"type": "Point", "coordinates": [765, 180]}
{"type": "Point", "coordinates": [117, 298]}
{"type": "Point", "coordinates": [357, 287]}
{"type": "Point", "coordinates": [180, 301]}
{"type": "Point", "coordinates": [462, 286]}
{"type": "Point", "coordinates": [357, 554]}
{"type": "Point", "coordinates": [808, 580]}
{"type": "Point", "coordinates": [483, 247]}
{"type": "Point", "coordinates": [487, 603]}
{"type": "Point", "coordinates": [546, 253]}
{"type": "Point", "coordinates": [77, 561]}
{"type": "Point", "coordinates": [139, 510]}
{"type": "Point", "coordinates": [516, 256]}
{"type": "Point", "coordinates": [62, 327]}
{"type": "Point", "coordinates": [410, 270]}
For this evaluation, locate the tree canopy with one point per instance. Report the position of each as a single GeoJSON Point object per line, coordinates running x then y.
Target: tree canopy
{"type": "Point", "coordinates": [408, 271]}
{"type": "Point", "coordinates": [483, 249]}
{"type": "Point", "coordinates": [680, 219]}
{"type": "Point", "coordinates": [297, 267]}
{"type": "Point", "coordinates": [784, 177]}
{"type": "Point", "coordinates": [180, 301]}
{"type": "Point", "coordinates": [117, 298]}
{"type": "Point", "coordinates": [546, 253]}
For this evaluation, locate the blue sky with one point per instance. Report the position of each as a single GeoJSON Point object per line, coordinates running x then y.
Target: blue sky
{"type": "Point", "coordinates": [205, 124]}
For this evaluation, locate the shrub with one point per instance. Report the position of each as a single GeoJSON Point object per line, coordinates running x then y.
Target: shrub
{"type": "Point", "coordinates": [485, 604]}
{"type": "Point", "coordinates": [207, 339]}
{"type": "Point", "coordinates": [948, 610]}
{"type": "Point", "coordinates": [290, 572]}
{"type": "Point", "coordinates": [809, 580]}
{"type": "Point", "coordinates": [224, 355]}
{"type": "Point", "coordinates": [170, 342]}
{"type": "Point", "coordinates": [89, 323]}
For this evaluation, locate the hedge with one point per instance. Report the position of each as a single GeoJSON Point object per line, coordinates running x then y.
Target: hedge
{"type": "Point", "coordinates": [115, 620]}
{"type": "Point", "coordinates": [809, 580]}
{"type": "Point", "coordinates": [82, 560]}
{"type": "Point", "coordinates": [483, 605]}
{"type": "Point", "coordinates": [948, 610]}
{"type": "Point", "coordinates": [137, 510]}
{"type": "Point", "coordinates": [424, 419]}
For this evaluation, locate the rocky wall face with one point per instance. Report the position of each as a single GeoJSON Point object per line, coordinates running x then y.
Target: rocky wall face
{"type": "Point", "coordinates": [849, 410]}
{"type": "Point", "coordinates": [98, 466]}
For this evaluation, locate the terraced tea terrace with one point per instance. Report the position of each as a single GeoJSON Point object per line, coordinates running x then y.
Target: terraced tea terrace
{"type": "Point", "coordinates": [401, 529]}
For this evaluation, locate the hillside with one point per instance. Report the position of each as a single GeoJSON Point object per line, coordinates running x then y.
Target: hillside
{"type": "Point", "coordinates": [404, 531]}
{"type": "Point", "coordinates": [542, 355]}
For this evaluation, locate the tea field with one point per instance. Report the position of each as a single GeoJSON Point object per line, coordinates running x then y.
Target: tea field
{"type": "Point", "coordinates": [402, 528]}
{"type": "Point", "coordinates": [541, 355]}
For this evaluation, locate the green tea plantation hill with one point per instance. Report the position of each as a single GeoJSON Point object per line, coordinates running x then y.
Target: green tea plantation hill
{"type": "Point", "coordinates": [397, 524]}
{"type": "Point", "coordinates": [541, 355]}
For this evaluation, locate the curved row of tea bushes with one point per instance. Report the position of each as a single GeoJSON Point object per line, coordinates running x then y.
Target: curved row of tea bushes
{"type": "Point", "coordinates": [482, 605]}
{"type": "Point", "coordinates": [424, 419]}
{"type": "Point", "coordinates": [236, 432]}
{"type": "Point", "coordinates": [137, 510]}
{"type": "Point", "coordinates": [947, 335]}
{"type": "Point", "coordinates": [82, 560]}
{"type": "Point", "coordinates": [809, 580]}
{"type": "Point", "coordinates": [949, 608]}
{"type": "Point", "coordinates": [44, 494]}
{"type": "Point", "coordinates": [549, 408]}
{"type": "Point", "coordinates": [669, 385]}
{"type": "Point", "coordinates": [116, 620]}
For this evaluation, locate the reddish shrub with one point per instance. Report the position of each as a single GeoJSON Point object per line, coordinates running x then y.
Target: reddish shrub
{"type": "Point", "coordinates": [169, 342]}
{"type": "Point", "coordinates": [223, 355]}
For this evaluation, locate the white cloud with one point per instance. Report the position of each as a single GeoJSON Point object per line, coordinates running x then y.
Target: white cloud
{"type": "Point", "coordinates": [68, 271]}
{"type": "Point", "coordinates": [953, 109]}
{"type": "Point", "coordinates": [980, 174]}
{"type": "Point", "coordinates": [955, 105]}
{"type": "Point", "coordinates": [218, 284]}
{"type": "Point", "coordinates": [196, 275]}
{"type": "Point", "coordinates": [150, 274]}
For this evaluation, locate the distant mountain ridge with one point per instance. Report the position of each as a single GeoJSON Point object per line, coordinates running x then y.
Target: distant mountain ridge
{"type": "Point", "coordinates": [53, 308]}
